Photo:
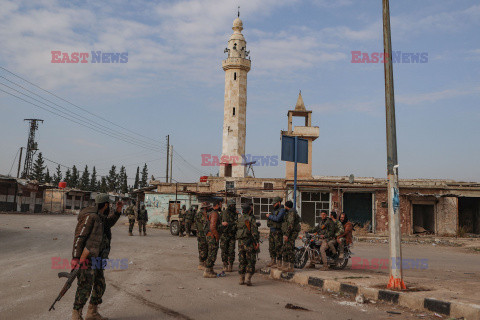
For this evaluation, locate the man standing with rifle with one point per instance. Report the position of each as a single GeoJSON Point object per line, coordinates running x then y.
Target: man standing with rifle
{"type": "Point", "coordinates": [248, 244]}
{"type": "Point", "coordinates": [92, 240]}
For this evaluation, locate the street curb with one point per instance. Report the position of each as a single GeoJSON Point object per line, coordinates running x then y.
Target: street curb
{"type": "Point", "coordinates": [407, 300]}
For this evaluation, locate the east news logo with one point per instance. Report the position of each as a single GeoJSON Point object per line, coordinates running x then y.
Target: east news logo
{"type": "Point", "coordinates": [95, 57]}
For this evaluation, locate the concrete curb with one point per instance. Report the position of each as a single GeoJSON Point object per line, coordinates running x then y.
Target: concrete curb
{"type": "Point", "coordinates": [408, 300]}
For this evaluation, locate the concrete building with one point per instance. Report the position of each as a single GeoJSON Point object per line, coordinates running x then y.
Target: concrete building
{"type": "Point", "coordinates": [236, 67]}
{"type": "Point", "coordinates": [304, 170]}
{"type": "Point", "coordinates": [67, 200]}
{"type": "Point", "coordinates": [21, 195]}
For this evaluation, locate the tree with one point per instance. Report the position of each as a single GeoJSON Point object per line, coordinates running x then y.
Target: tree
{"type": "Point", "coordinates": [68, 178]}
{"type": "Point", "coordinates": [57, 176]}
{"type": "Point", "coordinates": [48, 178]}
{"type": "Point", "coordinates": [122, 180]}
{"type": "Point", "coordinates": [112, 179]}
{"type": "Point", "coordinates": [136, 184]}
{"type": "Point", "coordinates": [38, 168]}
{"type": "Point", "coordinates": [103, 185]}
{"type": "Point", "coordinates": [93, 180]}
{"type": "Point", "coordinates": [84, 183]}
{"type": "Point", "coordinates": [75, 180]}
{"type": "Point", "coordinates": [144, 181]}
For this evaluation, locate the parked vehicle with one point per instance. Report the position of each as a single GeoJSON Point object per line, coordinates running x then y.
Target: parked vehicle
{"type": "Point", "coordinates": [310, 250]}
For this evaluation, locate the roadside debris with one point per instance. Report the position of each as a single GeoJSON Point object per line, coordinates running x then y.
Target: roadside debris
{"type": "Point", "coordinates": [294, 307]}
{"type": "Point", "coordinates": [394, 312]}
{"type": "Point", "coordinates": [360, 299]}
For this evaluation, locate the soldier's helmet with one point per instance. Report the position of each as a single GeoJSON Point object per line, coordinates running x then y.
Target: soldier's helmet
{"type": "Point", "coordinates": [276, 199]}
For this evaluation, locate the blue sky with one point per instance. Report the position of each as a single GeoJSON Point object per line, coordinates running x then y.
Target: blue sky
{"type": "Point", "coordinates": [173, 82]}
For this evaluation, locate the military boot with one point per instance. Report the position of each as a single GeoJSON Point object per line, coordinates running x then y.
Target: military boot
{"type": "Point", "coordinates": [248, 282]}
{"type": "Point", "coordinates": [242, 279]}
{"type": "Point", "coordinates": [130, 234]}
{"type": "Point", "coordinates": [92, 313]}
{"type": "Point", "coordinates": [208, 273]}
{"type": "Point", "coordinates": [288, 267]}
{"type": "Point", "coordinates": [271, 264]}
{"type": "Point", "coordinates": [201, 265]}
{"type": "Point", "coordinates": [77, 314]}
{"type": "Point", "coordinates": [230, 267]}
{"type": "Point", "coordinates": [225, 267]}
{"type": "Point", "coordinates": [144, 233]}
{"type": "Point", "coordinates": [278, 263]}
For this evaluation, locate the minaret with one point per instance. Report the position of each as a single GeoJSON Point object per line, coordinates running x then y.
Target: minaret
{"type": "Point", "coordinates": [236, 67]}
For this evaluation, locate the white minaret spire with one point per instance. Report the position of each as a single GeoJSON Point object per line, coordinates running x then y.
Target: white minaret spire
{"type": "Point", "coordinates": [236, 67]}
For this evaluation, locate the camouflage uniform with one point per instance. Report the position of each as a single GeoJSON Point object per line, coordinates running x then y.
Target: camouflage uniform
{"type": "Point", "coordinates": [227, 239]}
{"type": "Point", "coordinates": [248, 244]}
{"type": "Point", "coordinates": [181, 219]}
{"type": "Point", "coordinates": [212, 238]}
{"type": "Point", "coordinates": [325, 228]}
{"type": "Point", "coordinates": [142, 218]}
{"type": "Point", "coordinates": [131, 217]}
{"type": "Point", "coordinates": [200, 222]}
{"type": "Point", "coordinates": [92, 232]}
{"type": "Point", "coordinates": [189, 217]}
{"type": "Point", "coordinates": [338, 230]}
{"type": "Point", "coordinates": [275, 238]}
{"type": "Point", "coordinates": [290, 229]}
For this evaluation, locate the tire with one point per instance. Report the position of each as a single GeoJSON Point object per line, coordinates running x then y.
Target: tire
{"type": "Point", "coordinates": [341, 266]}
{"type": "Point", "coordinates": [301, 258]}
{"type": "Point", "coordinates": [174, 228]}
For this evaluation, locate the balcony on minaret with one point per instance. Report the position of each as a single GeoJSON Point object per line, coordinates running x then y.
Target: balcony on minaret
{"type": "Point", "coordinates": [304, 171]}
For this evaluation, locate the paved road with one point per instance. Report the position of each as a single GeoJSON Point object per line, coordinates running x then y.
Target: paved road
{"type": "Point", "coordinates": [161, 281]}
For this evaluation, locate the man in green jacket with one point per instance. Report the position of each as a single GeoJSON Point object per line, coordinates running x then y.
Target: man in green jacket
{"type": "Point", "coordinates": [201, 221]}
{"type": "Point", "coordinates": [326, 230]}
{"type": "Point", "coordinates": [142, 218]}
{"type": "Point", "coordinates": [229, 231]}
{"type": "Point", "coordinates": [290, 229]}
{"type": "Point", "coordinates": [248, 244]}
{"type": "Point", "coordinates": [92, 240]}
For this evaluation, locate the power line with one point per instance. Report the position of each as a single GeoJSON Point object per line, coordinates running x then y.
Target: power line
{"type": "Point", "coordinates": [100, 117]}
{"type": "Point", "coordinates": [98, 125]}
{"type": "Point", "coordinates": [84, 123]}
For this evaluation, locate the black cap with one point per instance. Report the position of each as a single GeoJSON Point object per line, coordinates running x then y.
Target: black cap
{"type": "Point", "coordinates": [289, 204]}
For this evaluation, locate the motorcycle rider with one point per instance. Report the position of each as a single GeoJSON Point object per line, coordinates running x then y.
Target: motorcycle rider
{"type": "Point", "coordinates": [338, 231]}
{"type": "Point", "coordinates": [325, 229]}
{"type": "Point", "coordinates": [346, 236]}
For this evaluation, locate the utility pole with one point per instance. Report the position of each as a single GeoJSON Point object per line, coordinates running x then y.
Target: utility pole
{"type": "Point", "coordinates": [168, 153]}
{"type": "Point", "coordinates": [31, 147]}
{"type": "Point", "coordinates": [19, 162]}
{"type": "Point", "coordinates": [396, 276]}
{"type": "Point", "coordinates": [171, 162]}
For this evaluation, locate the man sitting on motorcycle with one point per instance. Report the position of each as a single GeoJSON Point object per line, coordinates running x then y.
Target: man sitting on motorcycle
{"type": "Point", "coordinates": [346, 236]}
{"type": "Point", "coordinates": [325, 229]}
{"type": "Point", "coordinates": [338, 231]}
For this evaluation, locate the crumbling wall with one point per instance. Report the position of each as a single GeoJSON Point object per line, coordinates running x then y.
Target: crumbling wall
{"type": "Point", "coordinates": [447, 216]}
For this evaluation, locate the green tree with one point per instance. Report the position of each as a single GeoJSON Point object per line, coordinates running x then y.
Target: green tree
{"type": "Point", "coordinates": [48, 178]}
{"type": "Point", "coordinates": [57, 176]}
{"type": "Point", "coordinates": [84, 183]}
{"type": "Point", "coordinates": [112, 179]}
{"type": "Point", "coordinates": [103, 185]}
{"type": "Point", "coordinates": [122, 180]}
{"type": "Point", "coordinates": [144, 181]}
{"type": "Point", "coordinates": [137, 179]}
{"type": "Point", "coordinates": [68, 178]}
{"type": "Point", "coordinates": [93, 180]}
{"type": "Point", "coordinates": [38, 168]}
{"type": "Point", "coordinates": [75, 179]}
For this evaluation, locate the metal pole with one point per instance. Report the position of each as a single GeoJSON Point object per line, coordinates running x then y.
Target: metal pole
{"type": "Point", "coordinates": [295, 176]}
{"type": "Point", "coordinates": [396, 277]}
{"type": "Point", "coordinates": [171, 162]}
{"type": "Point", "coordinates": [168, 151]}
{"type": "Point", "coordinates": [19, 162]}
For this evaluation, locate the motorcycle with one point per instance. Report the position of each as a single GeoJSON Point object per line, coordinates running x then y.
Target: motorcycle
{"type": "Point", "coordinates": [311, 250]}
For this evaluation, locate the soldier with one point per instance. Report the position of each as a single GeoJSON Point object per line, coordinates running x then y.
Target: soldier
{"type": "Point", "coordinates": [248, 244]}
{"type": "Point", "coordinates": [337, 231]}
{"type": "Point", "coordinates": [92, 240]}
{"type": "Point", "coordinates": [201, 221]}
{"type": "Point", "coordinates": [213, 236]}
{"type": "Point", "coordinates": [227, 239]}
{"type": "Point", "coordinates": [142, 218]}
{"type": "Point", "coordinates": [131, 217]}
{"type": "Point", "coordinates": [189, 217]}
{"type": "Point", "coordinates": [181, 219]}
{"type": "Point", "coordinates": [325, 229]}
{"type": "Point", "coordinates": [275, 240]}
{"type": "Point", "coordinates": [290, 229]}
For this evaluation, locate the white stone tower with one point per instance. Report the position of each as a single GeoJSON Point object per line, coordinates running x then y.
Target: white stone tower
{"type": "Point", "coordinates": [236, 67]}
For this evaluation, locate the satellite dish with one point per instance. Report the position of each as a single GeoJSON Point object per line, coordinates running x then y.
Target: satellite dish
{"type": "Point", "coordinates": [351, 178]}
